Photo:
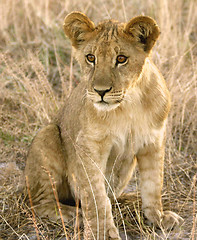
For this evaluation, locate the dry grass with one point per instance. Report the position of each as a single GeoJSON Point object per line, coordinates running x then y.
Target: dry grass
{"type": "Point", "coordinates": [37, 73]}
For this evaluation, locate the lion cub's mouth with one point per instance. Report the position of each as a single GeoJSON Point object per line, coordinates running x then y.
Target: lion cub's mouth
{"type": "Point", "coordinates": [103, 102]}
{"type": "Point", "coordinates": [105, 106]}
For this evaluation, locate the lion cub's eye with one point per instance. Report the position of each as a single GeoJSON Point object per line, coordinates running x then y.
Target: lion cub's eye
{"type": "Point", "coordinates": [121, 59]}
{"type": "Point", "coordinates": [90, 58]}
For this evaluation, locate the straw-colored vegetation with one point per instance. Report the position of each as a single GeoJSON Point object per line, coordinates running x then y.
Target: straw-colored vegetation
{"type": "Point", "coordinates": [37, 73]}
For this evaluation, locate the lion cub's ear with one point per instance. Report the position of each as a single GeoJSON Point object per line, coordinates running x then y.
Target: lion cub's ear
{"type": "Point", "coordinates": [77, 26]}
{"type": "Point", "coordinates": [143, 30]}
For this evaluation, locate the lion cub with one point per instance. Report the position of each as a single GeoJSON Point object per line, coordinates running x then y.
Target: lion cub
{"type": "Point", "coordinates": [114, 118]}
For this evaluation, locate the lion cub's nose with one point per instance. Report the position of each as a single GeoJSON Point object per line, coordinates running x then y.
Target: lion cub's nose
{"type": "Point", "coordinates": [102, 92]}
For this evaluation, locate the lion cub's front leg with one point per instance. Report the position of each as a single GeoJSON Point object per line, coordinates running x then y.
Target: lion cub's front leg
{"type": "Point", "coordinates": [150, 161]}
{"type": "Point", "coordinates": [96, 207]}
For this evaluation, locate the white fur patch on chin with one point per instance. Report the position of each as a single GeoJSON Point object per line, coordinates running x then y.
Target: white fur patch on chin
{"type": "Point", "coordinates": [106, 107]}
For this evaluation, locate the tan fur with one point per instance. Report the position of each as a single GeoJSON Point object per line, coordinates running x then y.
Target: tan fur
{"type": "Point", "coordinates": [92, 147]}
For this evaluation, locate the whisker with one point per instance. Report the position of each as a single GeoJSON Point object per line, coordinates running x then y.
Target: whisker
{"type": "Point", "coordinates": [112, 97]}
{"type": "Point", "coordinates": [118, 91]}
{"type": "Point", "coordinates": [84, 96]}
{"type": "Point", "coordinates": [114, 94]}
{"type": "Point", "coordinates": [90, 93]}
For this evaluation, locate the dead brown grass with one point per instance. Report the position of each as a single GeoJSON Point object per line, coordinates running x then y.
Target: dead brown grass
{"type": "Point", "coordinates": [37, 73]}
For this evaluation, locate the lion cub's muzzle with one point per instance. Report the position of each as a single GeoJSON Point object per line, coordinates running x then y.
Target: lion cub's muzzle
{"type": "Point", "coordinates": [105, 99]}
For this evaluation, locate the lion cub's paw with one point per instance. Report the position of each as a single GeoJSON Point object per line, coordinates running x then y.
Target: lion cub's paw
{"type": "Point", "coordinates": [166, 220]}
{"type": "Point", "coordinates": [170, 220]}
{"type": "Point", "coordinates": [113, 234]}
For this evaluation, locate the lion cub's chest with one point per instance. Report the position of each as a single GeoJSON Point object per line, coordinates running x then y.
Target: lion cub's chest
{"type": "Point", "coordinates": [135, 133]}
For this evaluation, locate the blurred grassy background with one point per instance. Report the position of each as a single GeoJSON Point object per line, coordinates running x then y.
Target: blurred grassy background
{"type": "Point", "coordinates": [37, 73]}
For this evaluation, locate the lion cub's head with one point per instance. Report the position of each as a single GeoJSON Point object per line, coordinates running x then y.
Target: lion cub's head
{"type": "Point", "coordinates": [111, 54]}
